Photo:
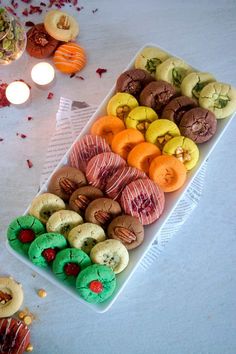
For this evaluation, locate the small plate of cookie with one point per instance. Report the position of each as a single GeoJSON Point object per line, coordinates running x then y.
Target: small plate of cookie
{"type": "Point", "coordinates": [96, 217]}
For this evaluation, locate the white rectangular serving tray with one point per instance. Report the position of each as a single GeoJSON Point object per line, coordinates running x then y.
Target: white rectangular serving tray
{"type": "Point", "coordinates": [151, 231]}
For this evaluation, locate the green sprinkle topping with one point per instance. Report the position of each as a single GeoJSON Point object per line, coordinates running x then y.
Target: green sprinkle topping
{"type": "Point", "coordinates": [152, 64]}
{"type": "Point", "coordinates": [221, 102]}
{"type": "Point", "coordinates": [177, 77]}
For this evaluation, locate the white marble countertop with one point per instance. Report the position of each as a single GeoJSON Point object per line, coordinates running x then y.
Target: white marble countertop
{"type": "Point", "coordinates": [185, 303]}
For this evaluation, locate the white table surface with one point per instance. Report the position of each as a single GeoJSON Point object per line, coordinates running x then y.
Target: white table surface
{"type": "Point", "coordinates": [185, 303]}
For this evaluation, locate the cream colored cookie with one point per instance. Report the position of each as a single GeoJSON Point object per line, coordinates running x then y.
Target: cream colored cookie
{"type": "Point", "coordinates": [11, 296]}
{"type": "Point", "coordinates": [86, 236]}
{"type": "Point", "coordinates": [61, 26]}
{"type": "Point", "coordinates": [111, 253]}
{"type": "Point", "coordinates": [194, 82]}
{"type": "Point", "coordinates": [44, 205]}
{"type": "Point", "coordinates": [173, 70]}
{"type": "Point", "coordinates": [63, 221]}
{"type": "Point", "coordinates": [220, 98]}
{"type": "Point", "coordinates": [149, 58]}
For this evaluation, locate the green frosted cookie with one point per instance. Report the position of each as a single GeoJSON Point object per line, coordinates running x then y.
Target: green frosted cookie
{"type": "Point", "coordinates": [43, 249]}
{"type": "Point", "coordinates": [68, 263]}
{"type": "Point", "coordinates": [96, 283]}
{"type": "Point", "coordinates": [22, 231]}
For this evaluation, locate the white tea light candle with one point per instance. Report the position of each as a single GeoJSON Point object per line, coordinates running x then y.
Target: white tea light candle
{"type": "Point", "coordinates": [17, 92]}
{"type": "Point", "coordinates": [42, 73]}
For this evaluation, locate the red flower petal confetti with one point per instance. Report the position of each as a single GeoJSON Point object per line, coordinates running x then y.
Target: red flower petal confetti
{"type": "Point", "coordinates": [35, 10]}
{"type": "Point", "coordinates": [43, 4]}
{"type": "Point", "coordinates": [25, 12]}
{"type": "Point", "coordinates": [26, 1]}
{"type": "Point", "coordinates": [30, 118]}
{"type": "Point", "coordinates": [79, 8]}
{"type": "Point", "coordinates": [23, 136]}
{"type": "Point", "coordinates": [9, 9]}
{"type": "Point", "coordinates": [101, 71]}
{"type": "Point", "coordinates": [93, 11]}
{"type": "Point", "coordinates": [50, 95]}
{"type": "Point", "coordinates": [3, 100]}
{"type": "Point", "coordinates": [29, 163]}
{"type": "Point", "coordinates": [1, 139]}
{"type": "Point", "coordinates": [29, 24]}
{"type": "Point", "coordinates": [79, 77]}
{"type": "Point", "coordinates": [14, 4]}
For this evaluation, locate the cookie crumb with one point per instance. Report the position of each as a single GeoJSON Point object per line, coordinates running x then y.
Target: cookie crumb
{"type": "Point", "coordinates": [42, 293]}
{"type": "Point", "coordinates": [22, 314]}
{"type": "Point", "coordinates": [27, 320]}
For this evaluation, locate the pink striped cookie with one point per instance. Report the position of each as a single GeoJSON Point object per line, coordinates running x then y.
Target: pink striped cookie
{"type": "Point", "coordinates": [86, 148]}
{"type": "Point", "coordinates": [120, 179]}
{"type": "Point", "coordinates": [101, 167]}
{"type": "Point", "coordinates": [144, 199]}
{"type": "Point", "coordinates": [69, 58]}
{"type": "Point", "coordinates": [14, 336]}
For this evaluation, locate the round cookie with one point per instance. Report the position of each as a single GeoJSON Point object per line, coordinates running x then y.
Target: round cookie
{"type": "Point", "coordinates": [126, 229]}
{"type": "Point", "coordinates": [160, 131]}
{"type": "Point", "coordinates": [143, 199]}
{"type": "Point", "coordinates": [124, 141]}
{"type": "Point", "coordinates": [101, 167]}
{"type": "Point", "coordinates": [68, 264]}
{"type": "Point", "coordinates": [81, 198]}
{"type": "Point", "coordinates": [69, 58]}
{"type": "Point", "coordinates": [173, 70]}
{"type": "Point", "coordinates": [96, 283]}
{"type": "Point", "coordinates": [11, 297]}
{"type": "Point", "coordinates": [198, 124]}
{"type": "Point", "coordinates": [157, 94]}
{"type": "Point", "coordinates": [194, 82]}
{"type": "Point", "coordinates": [44, 205]}
{"type": "Point", "coordinates": [61, 26]}
{"type": "Point", "coordinates": [43, 249]}
{"type": "Point", "coordinates": [101, 211]}
{"type": "Point", "coordinates": [184, 149]}
{"type": "Point", "coordinates": [14, 336]}
{"type": "Point", "coordinates": [121, 104]}
{"type": "Point", "coordinates": [219, 98]}
{"type": "Point", "coordinates": [120, 179]}
{"type": "Point", "coordinates": [22, 231]}
{"type": "Point", "coordinates": [65, 181]}
{"type": "Point", "coordinates": [63, 221]}
{"type": "Point", "coordinates": [142, 155]}
{"type": "Point", "coordinates": [39, 43]}
{"type": "Point", "coordinates": [86, 148]}
{"type": "Point", "coordinates": [86, 236]}
{"type": "Point", "coordinates": [106, 127]}
{"type": "Point", "coordinates": [149, 58]}
{"type": "Point", "coordinates": [111, 253]}
{"type": "Point", "coordinates": [140, 118]}
{"type": "Point", "coordinates": [176, 108]}
{"type": "Point", "coordinates": [133, 81]}
{"type": "Point", "coordinates": [168, 173]}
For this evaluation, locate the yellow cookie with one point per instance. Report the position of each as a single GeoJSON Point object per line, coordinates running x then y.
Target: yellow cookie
{"type": "Point", "coordinates": [121, 104]}
{"type": "Point", "coordinates": [194, 82]}
{"type": "Point", "coordinates": [160, 131]}
{"type": "Point", "coordinates": [61, 26]}
{"type": "Point", "coordinates": [184, 149]}
{"type": "Point", "coordinates": [149, 58]}
{"type": "Point", "coordinates": [140, 118]}
{"type": "Point", "coordinates": [219, 98]}
{"type": "Point", "coordinates": [173, 70]}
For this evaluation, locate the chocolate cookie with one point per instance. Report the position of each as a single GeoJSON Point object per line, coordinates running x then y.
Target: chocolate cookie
{"type": "Point", "coordinates": [176, 108]}
{"type": "Point", "coordinates": [198, 124]}
{"type": "Point", "coordinates": [39, 43]}
{"type": "Point", "coordinates": [127, 229]}
{"type": "Point", "coordinates": [157, 94]}
{"type": "Point", "coordinates": [101, 211]}
{"type": "Point", "coordinates": [81, 198]}
{"type": "Point", "coordinates": [65, 181]}
{"type": "Point", "coordinates": [133, 81]}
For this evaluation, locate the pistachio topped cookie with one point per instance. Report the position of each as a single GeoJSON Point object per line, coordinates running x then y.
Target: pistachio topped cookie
{"type": "Point", "coordinates": [140, 118]}
{"type": "Point", "coordinates": [194, 82]}
{"type": "Point", "coordinates": [219, 98]}
{"type": "Point", "coordinates": [149, 58]}
{"type": "Point", "coordinates": [121, 104]}
{"type": "Point", "coordinates": [173, 70]}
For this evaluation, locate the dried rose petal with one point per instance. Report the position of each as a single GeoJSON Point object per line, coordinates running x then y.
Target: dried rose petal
{"type": "Point", "coordinates": [79, 8]}
{"type": "Point", "coordinates": [79, 77]}
{"type": "Point", "coordinates": [30, 118]}
{"type": "Point", "coordinates": [1, 139]}
{"type": "Point", "coordinates": [23, 136]}
{"type": "Point", "coordinates": [3, 100]}
{"type": "Point", "coordinates": [93, 11]}
{"type": "Point", "coordinates": [9, 9]}
{"type": "Point", "coordinates": [43, 4]}
{"type": "Point", "coordinates": [35, 10]}
{"type": "Point", "coordinates": [29, 24]}
{"type": "Point", "coordinates": [100, 71]}
{"type": "Point", "coordinates": [50, 95]}
{"type": "Point", "coordinates": [25, 12]}
{"type": "Point", "coordinates": [26, 1]}
{"type": "Point", "coordinates": [29, 163]}
{"type": "Point", "coordinates": [14, 4]}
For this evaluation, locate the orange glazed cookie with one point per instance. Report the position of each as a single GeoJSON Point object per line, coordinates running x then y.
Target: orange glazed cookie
{"type": "Point", "coordinates": [107, 127]}
{"type": "Point", "coordinates": [69, 58]}
{"type": "Point", "coordinates": [142, 155]}
{"type": "Point", "coordinates": [168, 172]}
{"type": "Point", "coordinates": [124, 141]}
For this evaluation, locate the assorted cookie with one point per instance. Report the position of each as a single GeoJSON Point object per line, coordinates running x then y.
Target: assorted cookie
{"type": "Point", "coordinates": [11, 297]}
{"type": "Point", "coordinates": [61, 26]}
{"type": "Point", "coordinates": [133, 81]}
{"type": "Point", "coordinates": [14, 336]}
